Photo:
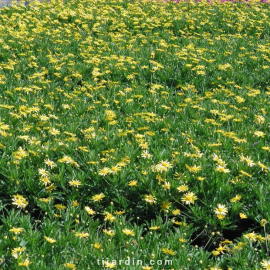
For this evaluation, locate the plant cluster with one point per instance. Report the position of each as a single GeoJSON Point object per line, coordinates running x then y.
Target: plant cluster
{"type": "Point", "coordinates": [134, 130]}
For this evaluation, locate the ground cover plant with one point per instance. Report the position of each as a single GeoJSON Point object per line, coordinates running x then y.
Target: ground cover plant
{"type": "Point", "coordinates": [134, 135]}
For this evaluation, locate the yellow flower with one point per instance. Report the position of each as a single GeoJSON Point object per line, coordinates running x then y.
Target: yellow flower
{"type": "Point", "coordinates": [104, 171]}
{"type": "Point", "coordinates": [50, 240]}
{"type": "Point", "coordinates": [109, 265]}
{"type": "Point", "coordinates": [165, 206]}
{"type": "Point", "coordinates": [189, 198]}
{"type": "Point", "coordinates": [242, 216]}
{"type": "Point", "coordinates": [97, 245]}
{"type": "Point", "coordinates": [194, 169]}
{"type": "Point", "coordinates": [19, 201]}
{"type": "Point", "coordinates": [50, 163]}
{"type": "Point", "coordinates": [162, 166]}
{"type": "Point", "coordinates": [115, 169]}
{"type": "Point", "coordinates": [16, 230]}
{"type": "Point", "coordinates": [89, 210]}
{"type": "Point", "coordinates": [82, 234]}
{"type": "Point", "coordinates": [236, 198]}
{"type": "Point", "coordinates": [221, 211]}
{"type": "Point", "coordinates": [109, 217]}
{"type": "Point", "coordinates": [182, 188]}
{"type": "Point", "coordinates": [15, 252]}
{"type": "Point", "coordinates": [166, 185]}
{"type": "Point", "coordinates": [60, 207]}
{"type": "Point", "coordinates": [145, 154]}
{"type": "Point", "coordinates": [251, 236]}
{"type": "Point", "coordinates": [75, 203]}
{"type": "Point", "coordinates": [265, 264]}
{"type": "Point", "coordinates": [222, 169]}
{"type": "Point", "coordinates": [128, 232]}
{"type": "Point", "coordinates": [263, 167]}
{"type": "Point", "coordinates": [154, 228]}
{"type": "Point", "coordinates": [119, 212]}
{"type": "Point", "coordinates": [75, 183]}
{"type": "Point", "coordinates": [133, 183]}
{"type": "Point", "coordinates": [54, 131]}
{"type": "Point", "coordinates": [176, 212]}
{"type": "Point", "coordinates": [150, 199]}
{"type": "Point", "coordinates": [259, 134]}
{"type": "Point", "coordinates": [168, 251]}
{"type": "Point", "coordinates": [109, 232]}
{"type": "Point", "coordinates": [24, 263]}
{"type": "Point", "coordinates": [98, 197]}
{"type": "Point", "coordinates": [147, 267]}
{"type": "Point", "coordinates": [70, 265]}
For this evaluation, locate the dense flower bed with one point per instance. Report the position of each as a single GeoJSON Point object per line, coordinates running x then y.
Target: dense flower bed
{"type": "Point", "coordinates": [134, 131]}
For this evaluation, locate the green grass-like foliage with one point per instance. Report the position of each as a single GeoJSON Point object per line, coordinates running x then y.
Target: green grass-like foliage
{"type": "Point", "coordinates": [134, 129]}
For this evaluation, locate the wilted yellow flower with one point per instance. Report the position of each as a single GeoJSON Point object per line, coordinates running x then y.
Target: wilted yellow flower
{"type": "Point", "coordinates": [263, 222]}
